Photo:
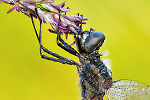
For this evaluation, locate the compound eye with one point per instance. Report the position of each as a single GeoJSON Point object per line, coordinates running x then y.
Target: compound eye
{"type": "Point", "coordinates": [93, 41]}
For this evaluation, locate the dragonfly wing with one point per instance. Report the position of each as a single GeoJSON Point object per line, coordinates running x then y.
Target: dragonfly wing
{"type": "Point", "coordinates": [128, 90]}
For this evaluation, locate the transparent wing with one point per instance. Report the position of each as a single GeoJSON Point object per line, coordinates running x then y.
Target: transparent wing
{"type": "Point", "coordinates": [128, 90]}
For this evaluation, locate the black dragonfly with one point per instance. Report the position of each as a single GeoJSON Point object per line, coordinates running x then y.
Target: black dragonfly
{"type": "Point", "coordinates": [95, 77]}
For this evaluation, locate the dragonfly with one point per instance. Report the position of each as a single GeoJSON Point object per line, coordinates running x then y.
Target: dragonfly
{"type": "Point", "coordinates": [95, 78]}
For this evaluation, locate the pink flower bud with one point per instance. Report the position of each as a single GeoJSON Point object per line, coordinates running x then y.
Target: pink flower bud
{"type": "Point", "coordinates": [49, 8]}
{"type": "Point", "coordinates": [61, 4]}
{"type": "Point", "coordinates": [41, 15]}
{"type": "Point", "coordinates": [16, 7]}
{"type": "Point", "coordinates": [48, 12]}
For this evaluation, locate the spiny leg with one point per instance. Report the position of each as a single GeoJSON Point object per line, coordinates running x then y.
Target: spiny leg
{"type": "Point", "coordinates": [61, 43]}
{"type": "Point", "coordinates": [44, 49]}
{"type": "Point", "coordinates": [80, 25]}
{"type": "Point", "coordinates": [76, 38]}
{"type": "Point", "coordinates": [60, 58]}
{"type": "Point", "coordinates": [63, 60]}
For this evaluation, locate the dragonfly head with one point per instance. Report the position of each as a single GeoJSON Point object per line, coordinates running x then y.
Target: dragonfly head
{"type": "Point", "coordinates": [91, 40]}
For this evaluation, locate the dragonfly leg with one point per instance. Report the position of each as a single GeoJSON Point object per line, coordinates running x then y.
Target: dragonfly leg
{"type": "Point", "coordinates": [60, 59]}
{"type": "Point", "coordinates": [61, 43]}
{"type": "Point", "coordinates": [76, 37]}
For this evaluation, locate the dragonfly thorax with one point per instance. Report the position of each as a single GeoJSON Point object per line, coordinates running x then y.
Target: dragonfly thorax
{"type": "Point", "coordinates": [95, 76]}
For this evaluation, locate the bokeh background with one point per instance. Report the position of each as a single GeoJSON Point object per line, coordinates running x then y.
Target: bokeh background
{"type": "Point", "coordinates": [26, 76]}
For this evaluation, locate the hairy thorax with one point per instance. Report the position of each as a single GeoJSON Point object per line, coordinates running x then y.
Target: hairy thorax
{"type": "Point", "coordinates": [95, 77]}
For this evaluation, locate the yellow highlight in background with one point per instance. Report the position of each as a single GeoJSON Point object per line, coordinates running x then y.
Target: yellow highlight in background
{"type": "Point", "coordinates": [26, 76]}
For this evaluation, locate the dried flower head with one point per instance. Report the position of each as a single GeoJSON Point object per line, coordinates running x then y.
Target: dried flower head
{"type": "Point", "coordinates": [48, 12]}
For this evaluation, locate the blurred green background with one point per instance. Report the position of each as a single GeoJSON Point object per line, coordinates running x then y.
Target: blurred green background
{"type": "Point", "coordinates": [26, 76]}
